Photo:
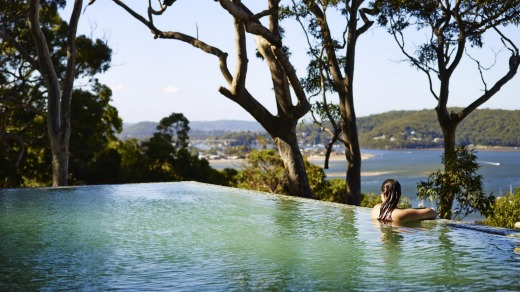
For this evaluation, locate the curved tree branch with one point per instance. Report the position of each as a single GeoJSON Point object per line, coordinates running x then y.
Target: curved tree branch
{"type": "Point", "coordinates": [514, 62]}
{"type": "Point", "coordinates": [415, 62]}
{"type": "Point", "coordinates": [251, 22]}
{"type": "Point", "coordinates": [238, 93]}
{"type": "Point", "coordinates": [70, 72]}
{"type": "Point", "coordinates": [327, 38]}
{"type": "Point", "coordinates": [46, 66]}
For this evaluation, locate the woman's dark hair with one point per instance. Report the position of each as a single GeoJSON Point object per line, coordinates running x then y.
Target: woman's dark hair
{"type": "Point", "coordinates": [391, 189]}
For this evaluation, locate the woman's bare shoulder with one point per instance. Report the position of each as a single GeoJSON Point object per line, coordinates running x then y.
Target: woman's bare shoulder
{"type": "Point", "coordinates": [413, 214]}
{"type": "Point", "coordinates": [375, 211]}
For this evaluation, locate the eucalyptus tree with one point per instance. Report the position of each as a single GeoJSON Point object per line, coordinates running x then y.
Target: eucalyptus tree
{"type": "Point", "coordinates": [40, 50]}
{"type": "Point", "coordinates": [269, 44]}
{"type": "Point", "coordinates": [163, 149]}
{"type": "Point", "coordinates": [166, 155]}
{"type": "Point", "coordinates": [58, 93]}
{"type": "Point", "coordinates": [454, 29]}
{"type": "Point", "coordinates": [331, 69]}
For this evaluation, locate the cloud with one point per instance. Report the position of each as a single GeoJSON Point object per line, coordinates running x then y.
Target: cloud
{"type": "Point", "coordinates": [172, 89]}
{"type": "Point", "coordinates": [117, 87]}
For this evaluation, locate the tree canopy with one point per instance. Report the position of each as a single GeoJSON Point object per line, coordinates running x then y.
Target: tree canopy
{"type": "Point", "coordinates": [452, 29]}
{"type": "Point", "coordinates": [39, 67]}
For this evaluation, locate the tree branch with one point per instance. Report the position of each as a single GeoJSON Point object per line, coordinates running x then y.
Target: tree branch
{"type": "Point", "coordinates": [251, 22]}
{"type": "Point", "coordinates": [68, 82]}
{"type": "Point", "coordinates": [239, 81]}
{"type": "Point", "coordinates": [303, 106]}
{"type": "Point", "coordinates": [238, 94]}
{"type": "Point", "coordinates": [327, 39]}
{"type": "Point", "coordinates": [514, 62]}
{"type": "Point", "coordinates": [514, 50]}
{"type": "Point", "coordinates": [46, 67]}
{"type": "Point", "coordinates": [481, 68]}
{"type": "Point", "coordinates": [367, 23]}
{"type": "Point", "coordinates": [414, 61]}
{"type": "Point", "coordinates": [461, 45]}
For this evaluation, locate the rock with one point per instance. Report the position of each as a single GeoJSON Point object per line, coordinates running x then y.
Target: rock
{"type": "Point", "coordinates": [517, 225]}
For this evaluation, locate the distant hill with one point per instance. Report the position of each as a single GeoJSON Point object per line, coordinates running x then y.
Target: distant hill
{"type": "Point", "coordinates": [395, 129]}
{"type": "Point", "coordinates": [227, 125]}
{"type": "Point", "coordinates": [145, 130]}
{"type": "Point", "coordinates": [420, 129]}
{"type": "Point", "coordinates": [139, 131]}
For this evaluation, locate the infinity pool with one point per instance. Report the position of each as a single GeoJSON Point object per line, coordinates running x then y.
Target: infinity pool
{"type": "Point", "coordinates": [189, 236]}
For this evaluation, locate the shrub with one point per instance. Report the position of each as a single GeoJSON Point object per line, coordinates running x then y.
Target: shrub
{"type": "Point", "coordinates": [459, 182]}
{"type": "Point", "coordinates": [264, 171]}
{"type": "Point", "coordinates": [505, 211]}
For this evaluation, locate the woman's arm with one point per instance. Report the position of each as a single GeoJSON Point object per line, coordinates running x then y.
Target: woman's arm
{"type": "Point", "coordinates": [413, 214]}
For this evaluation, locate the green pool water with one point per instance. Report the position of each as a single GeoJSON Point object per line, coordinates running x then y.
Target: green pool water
{"type": "Point", "coordinates": [191, 237]}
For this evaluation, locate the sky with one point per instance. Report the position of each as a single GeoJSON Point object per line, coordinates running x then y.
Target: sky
{"type": "Point", "coordinates": [152, 78]}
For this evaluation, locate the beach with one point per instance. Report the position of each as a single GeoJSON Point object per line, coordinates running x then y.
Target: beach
{"type": "Point", "coordinates": [314, 159]}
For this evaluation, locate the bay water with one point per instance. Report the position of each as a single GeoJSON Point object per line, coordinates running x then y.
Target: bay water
{"type": "Point", "coordinates": [500, 169]}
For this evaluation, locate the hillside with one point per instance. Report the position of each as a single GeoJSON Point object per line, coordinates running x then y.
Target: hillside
{"type": "Point", "coordinates": [227, 126]}
{"type": "Point", "coordinates": [395, 129]}
{"type": "Point", "coordinates": [139, 131]}
{"type": "Point", "coordinates": [420, 129]}
{"type": "Point", "coordinates": [198, 129]}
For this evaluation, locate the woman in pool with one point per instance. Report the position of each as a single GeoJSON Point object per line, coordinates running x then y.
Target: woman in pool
{"type": "Point", "coordinates": [388, 211]}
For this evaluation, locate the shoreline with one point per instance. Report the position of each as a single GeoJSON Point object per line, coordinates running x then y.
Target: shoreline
{"type": "Point", "coordinates": [365, 155]}
{"type": "Point", "coordinates": [312, 159]}
{"type": "Point", "coordinates": [478, 148]}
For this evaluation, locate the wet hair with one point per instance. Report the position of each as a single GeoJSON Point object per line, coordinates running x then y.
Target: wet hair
{"type": "Point", "coordinates": [391, 189]}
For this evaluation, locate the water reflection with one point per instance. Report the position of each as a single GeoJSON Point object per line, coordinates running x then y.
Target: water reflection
{"type": "Point", "coordinates": [392, 240]}
{"type": "Point", "coordinates": [321, 244]}
{"type": "Point", "coordinates": [47, 234]}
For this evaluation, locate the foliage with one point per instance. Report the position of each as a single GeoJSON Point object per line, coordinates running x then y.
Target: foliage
{"type": "Point", "coordinates": [189, 167]}
{"type": "Point", "coordinates": [323, 189]}
{"type": "Point", "coordinates": [453, 24]}
{"type": "Point", "coordinates": [94, 126]}
{"type": "Point", "coordinates": [23, 103]}
{"type": "Point", "coordinates": [175, 128]}
{"type": "Point", "coordinates": [453, 30]}
{"type": "Point", "coordinates": [133, 167]}
{"type": "Point", "coordinates": [370, 200]}
{"type": "Point", "coordinates": [463, 184]}
{"type": "Point", "coordinates": [505, 211]}
{"type": "Point", "coordinates": [264, 172]}
{"type": "Point", "coordinates": [419, 129]}
{"type": "Point", "coordinates": [166, 157]}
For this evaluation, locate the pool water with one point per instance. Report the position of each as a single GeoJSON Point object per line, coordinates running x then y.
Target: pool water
{"type": "Point", "coordinates": [189, 236]}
